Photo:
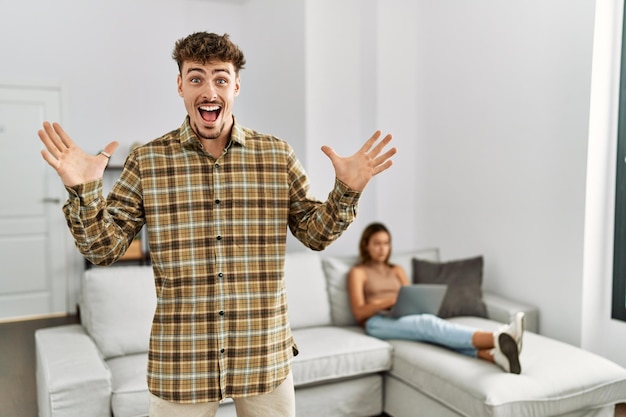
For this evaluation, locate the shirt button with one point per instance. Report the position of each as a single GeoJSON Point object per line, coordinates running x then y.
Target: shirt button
{"type": "Point", "coordinates": [217, 165]}
{"type": "Point", "coordinates": [221, 313]}
{"type": "Point", "coordinates": [222, 350]}
{"type": "Point", "coordinates": [219, 238]}
{"type": "Point", "coordinates": [220, 275]}
{"type": "Point", "coordinates": [217, 201]}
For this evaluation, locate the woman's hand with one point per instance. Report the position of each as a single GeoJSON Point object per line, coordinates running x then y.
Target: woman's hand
{"type": "Point", "coordinates": [383, 303]}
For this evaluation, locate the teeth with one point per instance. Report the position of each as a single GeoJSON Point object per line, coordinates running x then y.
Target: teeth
{"type": "Point", "coordinates": [210, 108]}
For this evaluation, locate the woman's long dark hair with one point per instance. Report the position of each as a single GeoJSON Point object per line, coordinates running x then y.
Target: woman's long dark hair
{"type": "Point", "coordinates": [367, 234]}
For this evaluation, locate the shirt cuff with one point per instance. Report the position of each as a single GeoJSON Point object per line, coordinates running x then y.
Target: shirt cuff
{"type": "Point", "coordinates": [87, 193]}
{"type": "Point", "coordinates": [345, 195]}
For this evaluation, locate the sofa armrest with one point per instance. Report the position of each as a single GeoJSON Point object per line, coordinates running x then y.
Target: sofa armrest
{"type": "Point", "coordinates": [72, 378]}
{"type": "Point", "coordinates": [502, 309]}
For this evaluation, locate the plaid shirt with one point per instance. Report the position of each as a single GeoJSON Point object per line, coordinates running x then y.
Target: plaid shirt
{"type": "Point", "coordinates": [217, 235]}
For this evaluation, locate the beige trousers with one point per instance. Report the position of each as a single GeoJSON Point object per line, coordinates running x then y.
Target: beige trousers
{"type": "Point", "coordinates": [279, 403]}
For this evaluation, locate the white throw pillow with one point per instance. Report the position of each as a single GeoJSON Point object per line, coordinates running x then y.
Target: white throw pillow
{"type": "Point", "coordinates": [117, 307]}
{"type": "Point", "coordinates": [306, 290]}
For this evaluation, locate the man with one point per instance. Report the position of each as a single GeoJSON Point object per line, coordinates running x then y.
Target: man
{"type": "Point", "coordinates": [217, 199]}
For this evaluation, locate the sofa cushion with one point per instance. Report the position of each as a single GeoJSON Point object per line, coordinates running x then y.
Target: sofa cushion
{"type": "Point", "coordinates": [326, 354]}
{"type": "Point", "coordinates": [556, 378]}
{"type": "Point", "coordinates": [336, 272]}
{"type": "Point", "coordinates": [330, 353]}
{"type": "Point", "coordinates": [129, 390]}
{"type": "Point", "coordinates": [306, 290]}
{"type": "Point", "coordinates": [117, 305]}
{"type": "Point", "coordinates": [354, 397]}
{"type": "Point", "coordinates": [464, 279]}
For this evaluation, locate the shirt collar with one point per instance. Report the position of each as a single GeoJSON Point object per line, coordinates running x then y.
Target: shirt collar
{"type": "Point", "coordinates": [187, 135]}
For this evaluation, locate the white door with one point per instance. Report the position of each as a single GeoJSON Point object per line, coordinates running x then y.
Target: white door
{"type": "Point", "coordinates": [33, 268]}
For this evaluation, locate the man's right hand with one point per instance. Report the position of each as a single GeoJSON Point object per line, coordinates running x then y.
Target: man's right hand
{"type": "Point", "coordinates": [73, 165]}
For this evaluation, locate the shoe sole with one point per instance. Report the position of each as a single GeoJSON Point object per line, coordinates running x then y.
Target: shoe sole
{"type": "Point", "coordinates": [522, 328]}
{"type": "Point", "coordinates": [508, 347]}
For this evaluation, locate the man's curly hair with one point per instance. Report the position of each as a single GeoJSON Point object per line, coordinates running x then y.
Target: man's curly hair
{"type": "Point", "coordinates": [203, 47]}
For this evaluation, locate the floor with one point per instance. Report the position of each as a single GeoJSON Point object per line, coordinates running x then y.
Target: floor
{"type": "Point", "coordinates": [17, 366]}
{"type": "Point", "coordinates": [18, 396]}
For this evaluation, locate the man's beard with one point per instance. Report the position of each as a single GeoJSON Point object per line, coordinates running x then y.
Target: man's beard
{"type": "Point", "coordinates": [214, 133]}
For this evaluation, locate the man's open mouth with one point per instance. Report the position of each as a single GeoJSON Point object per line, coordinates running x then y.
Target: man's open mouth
{"type": "Point", "coordinates": [210, 113]}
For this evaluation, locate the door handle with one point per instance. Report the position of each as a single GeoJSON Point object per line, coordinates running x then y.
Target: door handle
{"type": "Point", "coordinates": [51, 200]}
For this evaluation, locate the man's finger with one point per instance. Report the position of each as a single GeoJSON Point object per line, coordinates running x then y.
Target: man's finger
{"type": "Point", "coordinates": [63, 137]}
{"type": "Point", "coordinates": [384, 157]}
{"type": "Point", "coordinates": [49, 158]}
{"type": "Point", "coordinates": [381, 145]}
{"type": "Point", "coordinates": [370, 142]}
{"type": "Point", "coordinates": [329, 152]}
{"type": "Point", "coordinates": [50, 145]}
{"type": "Point", "coordinates": [109, 150]}
{"type": "Point", "coordinates": [51, 139]}
{"type": "Point", "coordinates": [383, 167]}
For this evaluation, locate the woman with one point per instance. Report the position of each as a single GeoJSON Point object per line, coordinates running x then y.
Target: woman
{"type": "Point", "coordinates": [373, 286]}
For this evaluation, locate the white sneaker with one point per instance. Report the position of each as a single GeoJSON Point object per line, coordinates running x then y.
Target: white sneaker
{"type": "Point", "coordinates": [505, 354]}
{"type": "Point", "coordinates": [515, 328]}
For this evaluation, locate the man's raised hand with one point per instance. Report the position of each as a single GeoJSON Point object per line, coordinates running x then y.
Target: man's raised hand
{"type": "Point", "coordinates": [357, 170]}
{"type": "Point", "coordinates": [73, 165]}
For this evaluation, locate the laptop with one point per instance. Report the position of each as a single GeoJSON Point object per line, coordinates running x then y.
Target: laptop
{"type": "Point", "coordinates": [419, 299]}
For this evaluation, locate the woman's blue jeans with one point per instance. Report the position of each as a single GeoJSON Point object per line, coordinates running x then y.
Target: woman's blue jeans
{"type": "Point", "coordinates": [423, 328]}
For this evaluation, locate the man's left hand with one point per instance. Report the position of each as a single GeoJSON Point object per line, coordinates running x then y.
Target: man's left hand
{"type": "Point", "coordinates": [357, 170]}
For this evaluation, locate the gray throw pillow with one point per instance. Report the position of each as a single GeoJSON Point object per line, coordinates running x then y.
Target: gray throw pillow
{"type": "Point", "coordinates": [464, 278]}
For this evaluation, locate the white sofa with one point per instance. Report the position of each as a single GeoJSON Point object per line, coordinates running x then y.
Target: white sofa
{"type": "Point", "coordinates": [97, 368]}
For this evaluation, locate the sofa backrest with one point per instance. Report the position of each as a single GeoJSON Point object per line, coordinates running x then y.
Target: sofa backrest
{"type": "Point", "coordinates": [117, 303]}
{"type": "Point", "coordinates": [116, 308]}
{"type": "Point", "coordinates": [336, 274]}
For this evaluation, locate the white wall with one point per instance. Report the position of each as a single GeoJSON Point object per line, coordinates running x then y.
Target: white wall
{"type": "Point", "coordinates": [114, 60]}
{"type": "Point", "coordinates": [340, 96]}
{"type": "Point", "coordinates": [398, 110]}
{"type": "Point", "coordinates": [500, 114]}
